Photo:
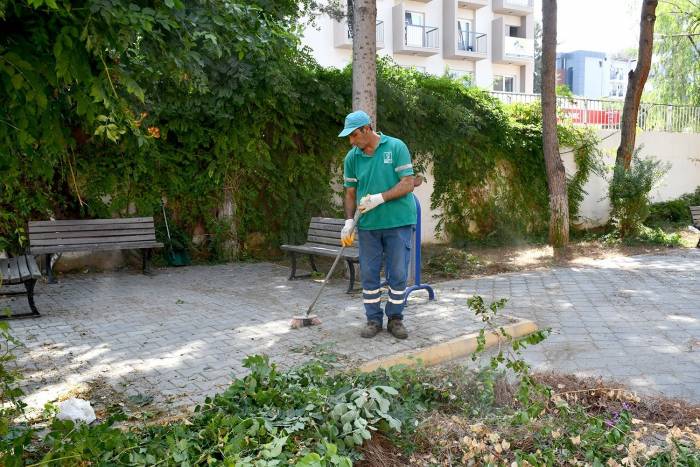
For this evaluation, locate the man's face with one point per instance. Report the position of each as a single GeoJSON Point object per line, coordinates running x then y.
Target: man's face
{"type": "Point", "coordinates": [360, 138]}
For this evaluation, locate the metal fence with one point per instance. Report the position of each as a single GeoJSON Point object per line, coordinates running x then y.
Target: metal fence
{"type": "Point", "coordinates": [608, 114]}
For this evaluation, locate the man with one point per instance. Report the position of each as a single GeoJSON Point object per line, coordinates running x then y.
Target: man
{"type": "Point", "coordinates": [379, 174]}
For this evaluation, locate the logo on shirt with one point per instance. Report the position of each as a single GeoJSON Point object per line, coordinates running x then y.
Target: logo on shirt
{"type": "Point", "coordinates": [387, 157]}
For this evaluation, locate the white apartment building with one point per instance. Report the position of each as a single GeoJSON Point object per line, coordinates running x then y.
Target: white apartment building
{"type": "Point", "coordinates": [492, 41]}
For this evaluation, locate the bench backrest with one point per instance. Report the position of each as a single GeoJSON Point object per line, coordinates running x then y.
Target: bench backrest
{"type": "Point", "coordinates": [695, 214]}
{"type": "Point", "coordinates": [88, 234]}
{"type": "Point", "coordinates": [326, 230]}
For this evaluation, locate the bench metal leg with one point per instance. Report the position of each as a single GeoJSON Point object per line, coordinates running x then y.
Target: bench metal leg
{"type": "Point", "coordinates": [29, 286]}
{"type": "Point", "coordinates": [293, 273]}
{"type": "Point", "coordinates": [293, 257]}
{"type": "Point", "coordinates": [351, 268]}
{"type": "Point", "coordinates": [49, 270]}
{"type": "Point", "coordinates": [313, 263]}
{"type": "Point", "coordinates": [146, 257]}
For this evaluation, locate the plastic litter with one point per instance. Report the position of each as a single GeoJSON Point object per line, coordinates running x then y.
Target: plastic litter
{"type": "Point", "coordinates": [77, 410]}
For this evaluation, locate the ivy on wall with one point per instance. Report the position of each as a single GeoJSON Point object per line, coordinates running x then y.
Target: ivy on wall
{"type": "Point", "coordinates": [111, 107]}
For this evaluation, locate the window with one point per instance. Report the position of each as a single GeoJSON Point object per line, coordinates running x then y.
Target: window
{"type": "Point", "coordinates": [513, 31]}
{"type": "Point", "coordinates": [464, 76]}
{"type": "Point", "coordinates": [465, 40]}
{"type": "Point", "coordinates": [420, 68]}
{"type": "Point", "coordinates": [503, 83]}
{"type": "Point", "coordinates": [415, 25]}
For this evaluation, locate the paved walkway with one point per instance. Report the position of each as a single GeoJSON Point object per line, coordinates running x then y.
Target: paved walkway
{"type": "Point", "coordinates": [182, 333]}
{"type": "Point", "coordinates": [635, 320]}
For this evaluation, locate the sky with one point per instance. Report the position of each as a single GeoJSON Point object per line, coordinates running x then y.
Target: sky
{"type": "Point", "coordinates": [599, 25]}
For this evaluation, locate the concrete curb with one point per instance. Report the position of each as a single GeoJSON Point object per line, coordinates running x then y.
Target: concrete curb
{"type": "Point", "coordinates": [450, 350]}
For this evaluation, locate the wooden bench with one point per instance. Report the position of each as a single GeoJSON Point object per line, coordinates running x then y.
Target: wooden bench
{"type": "Point", "coordinates": [20, 270]}
{"type": "Point", "coordinates": [695, 216]}
{"type": "Point", "coordinates": [324, 240]}
{"type": "Point", "coordinates": [49, 237]}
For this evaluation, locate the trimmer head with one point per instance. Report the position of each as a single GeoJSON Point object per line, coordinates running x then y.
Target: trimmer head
{"type": "Point", "coordinates": [303, 321]}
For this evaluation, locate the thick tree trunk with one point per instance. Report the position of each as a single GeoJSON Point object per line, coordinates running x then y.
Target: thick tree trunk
{"type": "Point", "coordinates": [364, 57]}
{"type": "Point", "coordinates": [635, 86]}
{"type": "Point", "coordinates": [556, 176]}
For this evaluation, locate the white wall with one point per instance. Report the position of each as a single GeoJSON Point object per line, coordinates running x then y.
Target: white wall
{"type": "Point", "coordinates": [681, 150]}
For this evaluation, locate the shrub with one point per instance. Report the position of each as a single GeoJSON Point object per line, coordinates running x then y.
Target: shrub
{"type": "Point", "coordinates": [629, 193]}
{"type": "Point", "coordinates": [673, 213]}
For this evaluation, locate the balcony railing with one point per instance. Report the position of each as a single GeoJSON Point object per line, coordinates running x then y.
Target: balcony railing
{"type": "Point", "coordinates": [471, 42]}
{"type": "Point", "coordinates": [519, 47]}
{"type": "Point", "coordinates": [426, 37]}
{"type": "Point", "coordinates": [608, 114]}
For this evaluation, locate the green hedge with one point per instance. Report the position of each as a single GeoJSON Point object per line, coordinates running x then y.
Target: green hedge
{"type": "Point", "coordinates": [111, 108]}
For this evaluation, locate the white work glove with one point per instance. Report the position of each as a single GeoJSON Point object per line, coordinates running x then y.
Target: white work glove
{"type": "Point", "coordinates": [347, 235]}
{"type": "Point", "coordinates": [370, 202]}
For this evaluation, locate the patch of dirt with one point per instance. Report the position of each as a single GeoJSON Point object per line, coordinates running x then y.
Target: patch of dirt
{"type": "Point", "coordinates": [380, 452]}
{"type": "Point", "coordinates": [451, 438]}
{"type": "Point", "coordinates": [607, 396]}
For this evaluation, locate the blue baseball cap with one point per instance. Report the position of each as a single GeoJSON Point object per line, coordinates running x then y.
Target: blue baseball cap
{"type": "Point", "coordinates": [353, 121]}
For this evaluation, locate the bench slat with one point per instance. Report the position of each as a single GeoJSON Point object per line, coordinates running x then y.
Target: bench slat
{"type": "Point", "coordinates": [329, 227]}
{"type": "Point", "coordinates": [125, 220]}
{"type": "Point", "coordinates": [324, 240]}
{"type": "Point", "coordinates": [13, 275]}
{"type": "Point", "coordinates": [324, 250]}
{"type": "Point", "coordinates": [91, 240]}
{"type": "Point", "coordinates": [33, 267]}
{"type": "Point", "coordinates": [325, 233]}
{"type": "Point", "coordinates": [90, 233]}
{"type": "Point", "coordinates": [94, 247]}
{"type": "Point", "coordinates": [88, 227]}
{"type": "Point", "coordinates": [24, 273]}
{"type": "Point", "coordinates": [5, 270]}
{"type": "Point", "coordinates": [328, 220]}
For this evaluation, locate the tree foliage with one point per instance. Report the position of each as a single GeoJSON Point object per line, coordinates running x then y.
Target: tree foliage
{"type": "Point", "coordinates": [676, 71]}
{"type": "Point", "coordinates": [110, 107]}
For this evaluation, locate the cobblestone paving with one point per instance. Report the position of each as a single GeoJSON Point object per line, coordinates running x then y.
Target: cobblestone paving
{"type": "Point", "coordinates": [182, 334]}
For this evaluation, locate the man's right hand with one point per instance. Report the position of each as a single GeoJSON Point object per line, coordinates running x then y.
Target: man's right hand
{"type": "Point", "coordinates": [347, 235]}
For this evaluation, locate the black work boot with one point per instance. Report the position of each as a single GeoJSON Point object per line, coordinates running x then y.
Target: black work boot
{"type": "Point", "coordinates": [371, 329]}
{"type": "Point", "coordinates": [396, 328]}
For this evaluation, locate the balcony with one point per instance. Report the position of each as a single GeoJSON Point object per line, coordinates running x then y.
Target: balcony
{"type": "Point", "coordinates": [472, 4]}
{"type": "Point", "coordinates": [413, 39]}
{"type": "Point", "coordinates": [468, 46]}
{"type": "Point", "coordinates": [514, 7]}
{"type": "Point", "coordinates": [342, 37]}
{"type": "Point", "coordinates": [511, 50]}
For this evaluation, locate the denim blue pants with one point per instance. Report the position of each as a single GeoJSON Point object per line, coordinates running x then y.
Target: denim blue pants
{"type": "Point", "coordinates": [395, 245]}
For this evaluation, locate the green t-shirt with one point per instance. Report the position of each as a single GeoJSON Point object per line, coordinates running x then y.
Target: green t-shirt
{"type": "Point", "coordinates": [377, 174]}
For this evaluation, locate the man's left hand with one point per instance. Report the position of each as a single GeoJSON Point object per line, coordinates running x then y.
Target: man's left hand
{"type": "Point", "coordinates": [370, 202]}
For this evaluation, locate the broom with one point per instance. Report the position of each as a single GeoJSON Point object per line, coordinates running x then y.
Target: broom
{"type": "Point", "coordinates": [301, 321]}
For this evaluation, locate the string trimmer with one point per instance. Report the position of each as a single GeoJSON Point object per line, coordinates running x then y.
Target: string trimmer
{"type": "Point", "coordinates": [301, 321]}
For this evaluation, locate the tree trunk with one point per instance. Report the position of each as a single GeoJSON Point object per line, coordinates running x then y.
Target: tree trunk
{"type": "Point", "coordinates": [227, 213]}
{"type": "Point", "coordinates": [364, 57]}
{"type": "Point", "coordinates": [635, 86]}
{"type": "Point", "coordinates": [556, 176]}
